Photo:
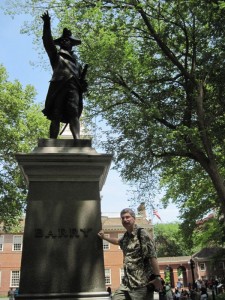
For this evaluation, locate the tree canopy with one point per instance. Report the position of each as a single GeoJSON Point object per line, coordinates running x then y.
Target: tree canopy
{"type": "Point", "coordinates": [170, 241]}
{"type": "Point", "coordinates": [156, 76]}
{"type": "Point", "coordinates": [21, 125]}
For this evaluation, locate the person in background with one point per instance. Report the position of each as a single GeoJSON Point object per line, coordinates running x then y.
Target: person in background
{"type": "Point", "coordinates": [109, 290]}
{"type": "Point", "coordinates": [11, 294]}
{"type": "Point", "coordinates": [179, 284]}
{"type": "Point", "coordinates": [169, 293]}
{"type": "Point", "coordinates": [16, 292]}
{"type": "Point", "coordinates": [177, 294]}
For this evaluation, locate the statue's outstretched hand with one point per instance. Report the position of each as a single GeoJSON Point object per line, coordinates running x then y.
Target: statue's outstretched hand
{"type": "Point", "coordinates": [45, 17]}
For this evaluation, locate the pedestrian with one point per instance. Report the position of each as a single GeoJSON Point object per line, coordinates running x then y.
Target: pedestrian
{"type": "Point", "coordinates": [109, 290]}
{"type": "Point", "coordinates": [169, 293]}
{"type": "Point", "coordinates": [179, 284]}
{"type": "Point", "coordinates": [140, 261]}
{"type": "Point", "coordinates": [177, 294]}
{"type": "Point", "coordinates": [11, 294]}
{"type": "Point", "coordinates": [204, 294]}
{"type": "Point", "coordinates": [64, 101]}
{"type": "Point", "coordinates": [16, 292]}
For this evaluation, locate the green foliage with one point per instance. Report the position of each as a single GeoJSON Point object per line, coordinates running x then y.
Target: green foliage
{"type": "Point", "coordinates": [169, 240]}
{"type": "Point", "coordinates": [195, 196]}
{"type": "Point", "coordinates": [179, 272]}
{"type": "Point", "coordinates": [167, 278]}
{"type": "Point", "coordinates": [210, 233]}
{"type": "Point", "coordinates": [157, 77]}
{"type": "Point", "coordinates": [21, 124]}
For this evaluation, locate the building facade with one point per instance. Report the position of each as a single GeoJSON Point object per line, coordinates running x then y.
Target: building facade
{"type": "Point", "coordinates": [178, 270]}
{"type": "Point", "coordinates": [10, 260]}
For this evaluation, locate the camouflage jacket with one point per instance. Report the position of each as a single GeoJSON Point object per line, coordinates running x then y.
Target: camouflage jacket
{"type": "Point", "coordinates": [137, 268]}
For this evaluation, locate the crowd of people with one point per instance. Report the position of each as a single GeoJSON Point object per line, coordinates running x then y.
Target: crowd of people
{"type": "Point", "coordinates": [198, 291]}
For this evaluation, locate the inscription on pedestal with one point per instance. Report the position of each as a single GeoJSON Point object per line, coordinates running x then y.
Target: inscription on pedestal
{"type": "Point", "coordinates": [62, 233]}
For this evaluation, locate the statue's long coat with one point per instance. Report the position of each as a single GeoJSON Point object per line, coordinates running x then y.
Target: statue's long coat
{"type": "Point", "coordinates": [65, 68]}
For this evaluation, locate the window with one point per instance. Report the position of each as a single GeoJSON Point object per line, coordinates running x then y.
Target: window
{"type": "Point", "coordinates": [107, 276]}
{"type": "Point", "coordinates": [121, 275]}
{"type": "Point", "coordinates": [15, 278]}
{"type": "Point", "coordinates": [17, 243]}
{"type": "Point", "coordinates": [202, 267]}
{"type": "Point", "coordinates": [106, 245]}
{"type": "Point", "coordinates": [1, 242]}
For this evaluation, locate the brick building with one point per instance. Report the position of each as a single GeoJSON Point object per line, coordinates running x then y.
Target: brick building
{"type": "Point", "coordinates": [178, 268]}
{"type": "Point", "coordinates": [10, 259]}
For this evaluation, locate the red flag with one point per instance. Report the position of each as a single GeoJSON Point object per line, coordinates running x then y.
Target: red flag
{"type": "Point", "coordinates": [155, 213]}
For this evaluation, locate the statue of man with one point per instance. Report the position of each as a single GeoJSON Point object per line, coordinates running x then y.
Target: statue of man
{"type": "Point", "coordinates": [64, 102]}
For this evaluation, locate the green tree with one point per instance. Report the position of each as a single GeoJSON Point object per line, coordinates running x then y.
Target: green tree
{"type": "Point", "coordinates": [169, 240]}
{"type": "Point", "coordinates": [156, 76]}
{"type": "Point", "coordinates": [21, 124]}
{"type": "Point", "coordinates": [209, 232]}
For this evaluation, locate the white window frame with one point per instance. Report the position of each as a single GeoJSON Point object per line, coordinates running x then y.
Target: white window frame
{"type": "Point", "coordinates": [121, 275]}
{"type": "Point", "coordinates": [108, 279]}
{"type": "Point", "coordinates": [202, 267]}
{"type": "Point", "coordinates": [17, 243]}
{"type": "Point", "coordinates": [15, 278]}
{"type": "Point", "coordinates": [106, 244]}
{"type": "Point", "coordinates": [1, 242]}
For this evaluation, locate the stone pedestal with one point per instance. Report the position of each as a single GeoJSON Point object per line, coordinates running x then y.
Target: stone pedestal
{"type": "Point", "coordinates": [62, 255]}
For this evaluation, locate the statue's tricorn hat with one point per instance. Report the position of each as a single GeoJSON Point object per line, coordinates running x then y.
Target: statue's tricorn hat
{"type": "Point", "coordinates": [67, 34]}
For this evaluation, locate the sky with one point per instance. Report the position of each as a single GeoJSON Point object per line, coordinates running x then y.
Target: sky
{"type": "Point", "coordinates": [18, 56]}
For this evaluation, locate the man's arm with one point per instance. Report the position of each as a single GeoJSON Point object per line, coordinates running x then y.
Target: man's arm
{"type": "Point", "coordinates": [114, 241]}
{"type": "Point", "coordinates": [156, 271]}
{"type": "Point", "coordinates": [155, 265]}
{"type": "Point", "coordinates": [148, 248]}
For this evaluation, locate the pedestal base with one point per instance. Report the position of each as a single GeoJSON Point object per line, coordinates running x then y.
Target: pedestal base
{"type": "Point", "coordinates": [62, 254]}
{"type": "Point", "coordinates": [76, 296]}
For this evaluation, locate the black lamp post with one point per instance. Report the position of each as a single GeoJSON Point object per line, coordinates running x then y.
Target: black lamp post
{"type": "Point", "coordinates": [192, 264]}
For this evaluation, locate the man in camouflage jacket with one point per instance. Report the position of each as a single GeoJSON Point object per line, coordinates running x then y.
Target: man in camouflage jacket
{"type": "Point", "coordinates": [140, 262]}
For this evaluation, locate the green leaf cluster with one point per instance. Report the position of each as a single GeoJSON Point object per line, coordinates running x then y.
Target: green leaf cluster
{"type": "Point", "coordinates": [21, 124]}
{"type": "Point", "coordinates": [169, 241]}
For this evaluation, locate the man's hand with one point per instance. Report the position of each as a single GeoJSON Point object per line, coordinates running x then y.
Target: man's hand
{"type": "Point", "coordinates": [157, 284]}
{"type": "Point", "coordinates": [101, 234]}
{"type": "Point", "coordinates": [45, 17]}
{"type": "Point", "coordinates": [111, 240]}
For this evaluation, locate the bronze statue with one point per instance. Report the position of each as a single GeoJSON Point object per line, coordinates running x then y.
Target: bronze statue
{"type": "Point", "coordinates": [64, 101]}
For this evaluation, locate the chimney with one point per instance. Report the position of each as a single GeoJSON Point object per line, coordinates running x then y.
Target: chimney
{"type": "Point", "coordinates": [141, 210]}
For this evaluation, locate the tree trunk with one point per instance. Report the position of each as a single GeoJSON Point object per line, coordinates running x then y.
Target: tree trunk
{"type": "Point", "coordinates": [218, 182]}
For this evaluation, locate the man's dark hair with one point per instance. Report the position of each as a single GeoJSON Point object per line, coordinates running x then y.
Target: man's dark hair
{"type": "Point", "coordinates": [129, 211]}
